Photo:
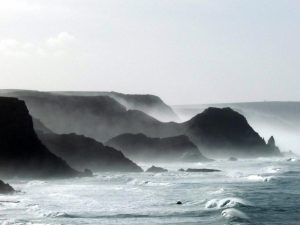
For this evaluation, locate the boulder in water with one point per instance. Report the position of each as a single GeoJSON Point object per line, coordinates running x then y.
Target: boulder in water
{"type": "Point", "coordinates": [154, 169]}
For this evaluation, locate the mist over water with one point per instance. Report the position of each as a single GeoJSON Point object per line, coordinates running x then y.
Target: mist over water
{"type": "Point", "coordinates": [278, 119]}
{"type": "Point", "coordinates": [260, 191]}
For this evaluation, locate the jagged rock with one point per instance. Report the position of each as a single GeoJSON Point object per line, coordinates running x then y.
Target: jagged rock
{"type": "Point", "coordinates": [139, 147]}
{"type": "Point", "coordinates": [155, 169]}
{"type": "Point", "coordinates": [5, 188]}
{"type": "Point", "coordinates": [271, 142]}
{"type": "Point", "coordinates": [202, 170]}
{"type": "Point", "coordinates": [82, 152]}
{"type": "Point", "coordinates": [22, 153]}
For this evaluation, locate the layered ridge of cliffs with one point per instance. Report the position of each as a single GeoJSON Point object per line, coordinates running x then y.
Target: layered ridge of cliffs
{"type": "Point", "coordinates": [225, 131]}
{"type": "Point", "coordinates": [149, 104]}
{"type": "Point", "coordinates": [82, 152]}
{"type": "Point", "coordinates": [22, 153]}
{"type": "Point", "coordinates": [99, 117]}
{"type": "Point", "coordinates": [215, 131]}
{"type": "Point", "coordinates": [139, 147]}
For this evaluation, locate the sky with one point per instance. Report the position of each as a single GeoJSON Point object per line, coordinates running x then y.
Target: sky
{"type": "Point", "coordinates": [185, 51]}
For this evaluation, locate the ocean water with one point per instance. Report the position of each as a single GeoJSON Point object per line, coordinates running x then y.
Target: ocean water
{"type": "Point", "coordinates": [261, 191]}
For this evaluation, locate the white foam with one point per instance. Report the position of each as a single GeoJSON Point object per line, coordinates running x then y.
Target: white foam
{"type": "Point", "coordinates": [233, 214]}
{"type": "Point", "coordinates": [226, 203]}
{"type": "Point", "coordinates": [259, 178]}
{"type": "Point", "coordinates": [291, 160]}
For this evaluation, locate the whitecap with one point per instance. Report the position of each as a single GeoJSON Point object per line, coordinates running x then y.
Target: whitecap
{"type": "Point", "coordinates": [35, 182]}
{"type": "Point", "coordinates": [291, 160]}
{"type": "Point", "coordinates": [234, 214]}
{"type": "Point", "coordinates": [226, 203]}
{"type": "Point", "coordinates": [219, 191]}
{"type": "Point", "coordinates": [259, 178]}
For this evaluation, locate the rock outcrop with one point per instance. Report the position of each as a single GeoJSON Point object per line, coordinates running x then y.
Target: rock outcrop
{"type": "Point", "coordinates": [154, 169]}
{"type": "Point", "coordinates": [5, 188]}
{"type": "Point", "coordinates": [22, 153]}
{"type": "Point", "coordinates": [82, 152]}
{"type": "Point", "coordinates": [226, 132]}
{"type": "Point", "coordinates": [139, 147]}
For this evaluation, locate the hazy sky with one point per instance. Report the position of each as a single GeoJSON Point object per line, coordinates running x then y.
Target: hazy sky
{"type": "Point", "coordinates": [186, 51]}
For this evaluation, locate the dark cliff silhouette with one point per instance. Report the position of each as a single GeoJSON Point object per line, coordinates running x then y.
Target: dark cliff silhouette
{"type": "Point", "coordinates": [214, 131]}
{"type": "Point", "coordinates": [222, 131]}
{"type": "Point", "coordinates": [99, 117]}
{"type": "Point", "coordinates": [22, 153]}
{"type": "Point", "coordinates": [82, 152]}
{"type": "Point", "coordinates": [139, 147]}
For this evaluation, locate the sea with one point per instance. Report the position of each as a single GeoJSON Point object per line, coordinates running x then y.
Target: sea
{"type": "Point", "coordinates": [263, 191]}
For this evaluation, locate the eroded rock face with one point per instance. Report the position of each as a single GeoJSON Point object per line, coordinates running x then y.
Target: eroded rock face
{"type": "Point", "coordinates": [139, 147]}
{"type": "Point", "coordinates": [5, 188]}
{"type": "Point", "coordinates": [22, 153]}
{"type": "Point", "coordinates": [82, 152]}
{"type": "Point", "coordinates": [154, 169]}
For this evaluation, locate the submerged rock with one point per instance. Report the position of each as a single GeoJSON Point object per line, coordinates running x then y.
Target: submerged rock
{"type": "Point", "coordinates": [155, 169]}
{"type": "Point", "coordinates": [202, 170]}
{"type": "Point", "coordinates": [5, 188]}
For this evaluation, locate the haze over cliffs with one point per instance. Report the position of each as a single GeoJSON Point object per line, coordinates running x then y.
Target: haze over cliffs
{"type": "Point", "coordinates": [215, 131]}
{"type": "Point", "coordinates": [139, 147]}
{"type": "Point", "coordinates": [224, 131]}
{"type": "Point", "coordinates": [21, 152]}
{"type": "Point", "coordinates": [99, 117]}
{"type": "Point", "coordinates": [149, 104]}
{"type": "Point", "coordinates": [280, 119]}
{"type": "Point", "coordinates": [82, 152]}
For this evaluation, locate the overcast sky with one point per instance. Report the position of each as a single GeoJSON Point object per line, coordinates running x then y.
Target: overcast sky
{"type": "Point", "coordinates": [185, 51]}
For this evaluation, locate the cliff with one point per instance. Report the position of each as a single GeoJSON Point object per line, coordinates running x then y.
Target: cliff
{"type": "Point", "coordinates": [224, 131]}
{"type": "Point", "coordinates": [22, 153]}
{"type": "Point", "coordinates": [82, 152]}
{"type": "Point", "coordinates": [139, 147]}
{"type": "Point", "coordinates": [98, 117]}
